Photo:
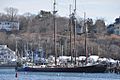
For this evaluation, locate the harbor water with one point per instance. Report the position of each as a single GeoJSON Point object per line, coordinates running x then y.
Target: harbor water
{"type": "Point", "coordinates": [9, 74]}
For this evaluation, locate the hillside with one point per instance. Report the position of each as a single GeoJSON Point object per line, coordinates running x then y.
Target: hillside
{"type": "Point", "coordinates": [37, 30]}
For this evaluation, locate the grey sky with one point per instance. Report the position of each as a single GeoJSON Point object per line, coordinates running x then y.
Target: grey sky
{"type": "Point", "coordinates": [107, 9]}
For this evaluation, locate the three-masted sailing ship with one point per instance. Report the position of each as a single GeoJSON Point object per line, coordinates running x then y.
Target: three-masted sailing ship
{"type": "Point", "coordinates": [94, 68]}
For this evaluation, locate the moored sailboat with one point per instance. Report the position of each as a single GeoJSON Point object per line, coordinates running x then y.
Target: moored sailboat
{"type": "Point", "coordinates": [96, 68]}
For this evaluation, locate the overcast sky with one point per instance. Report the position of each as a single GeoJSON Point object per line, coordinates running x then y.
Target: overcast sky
{"type": "Point", "coordinates": [107, 9]}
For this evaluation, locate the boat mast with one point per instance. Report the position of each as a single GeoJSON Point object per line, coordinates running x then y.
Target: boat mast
{"type": "Point", "coordinates": [72, 18]}
{"type": "Point", "coordinates": [55, 49]}
{"type": "Point", "coordinates": [70, 24]}
{"type": "Point", "coordinates": [75, 33]}
{"type": "Point", "coordinates": [85, 36]}
{"type": "Point", "coordinates": [16, 47]}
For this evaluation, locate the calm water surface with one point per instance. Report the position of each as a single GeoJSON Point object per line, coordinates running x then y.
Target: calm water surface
{"type": "Point", "coordinates": [9, 74]}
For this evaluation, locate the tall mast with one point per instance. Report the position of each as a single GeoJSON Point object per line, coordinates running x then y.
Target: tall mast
{"type": "Point", "coordinates": [75, 33]}
{"type": "Point", "coordinates": [85, 37]}
{"type": "Point", "coordinates": [75, 7]}
{"type": "Point", "coordinates": [55, 49]}
{"type": "Point", "coordinates": [70, 24]}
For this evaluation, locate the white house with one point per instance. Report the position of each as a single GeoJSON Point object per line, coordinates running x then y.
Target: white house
{"type": "Point", "coordinates": [6, 54]}
{"type": "Point", "coordinates": [9, 25]}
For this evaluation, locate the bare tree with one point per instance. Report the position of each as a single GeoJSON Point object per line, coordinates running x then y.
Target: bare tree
{"type": "Point", "coordinates": [11, 13]}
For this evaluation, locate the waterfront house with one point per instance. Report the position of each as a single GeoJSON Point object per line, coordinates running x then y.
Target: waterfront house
{"type": "Point", "coordinates": [9, 25]}
{"type": "Point", "coordinates": [6, 55]}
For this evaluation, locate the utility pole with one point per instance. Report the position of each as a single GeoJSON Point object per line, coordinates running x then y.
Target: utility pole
{"type": "Point", "coordinates": [55, 49]}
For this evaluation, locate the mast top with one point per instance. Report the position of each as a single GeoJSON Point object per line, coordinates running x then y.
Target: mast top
{"type": "Point", "coordinates": [75, 7]}
{"type": "Point", "coordinates": [54, 2]}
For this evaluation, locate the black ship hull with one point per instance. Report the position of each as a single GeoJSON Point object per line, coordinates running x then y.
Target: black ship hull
{"type": "Point", "coordinates": [85, 69]}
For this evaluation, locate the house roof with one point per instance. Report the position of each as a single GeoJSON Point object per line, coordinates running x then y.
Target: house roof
{"type": "Point", "coordinates": [4, 48]}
